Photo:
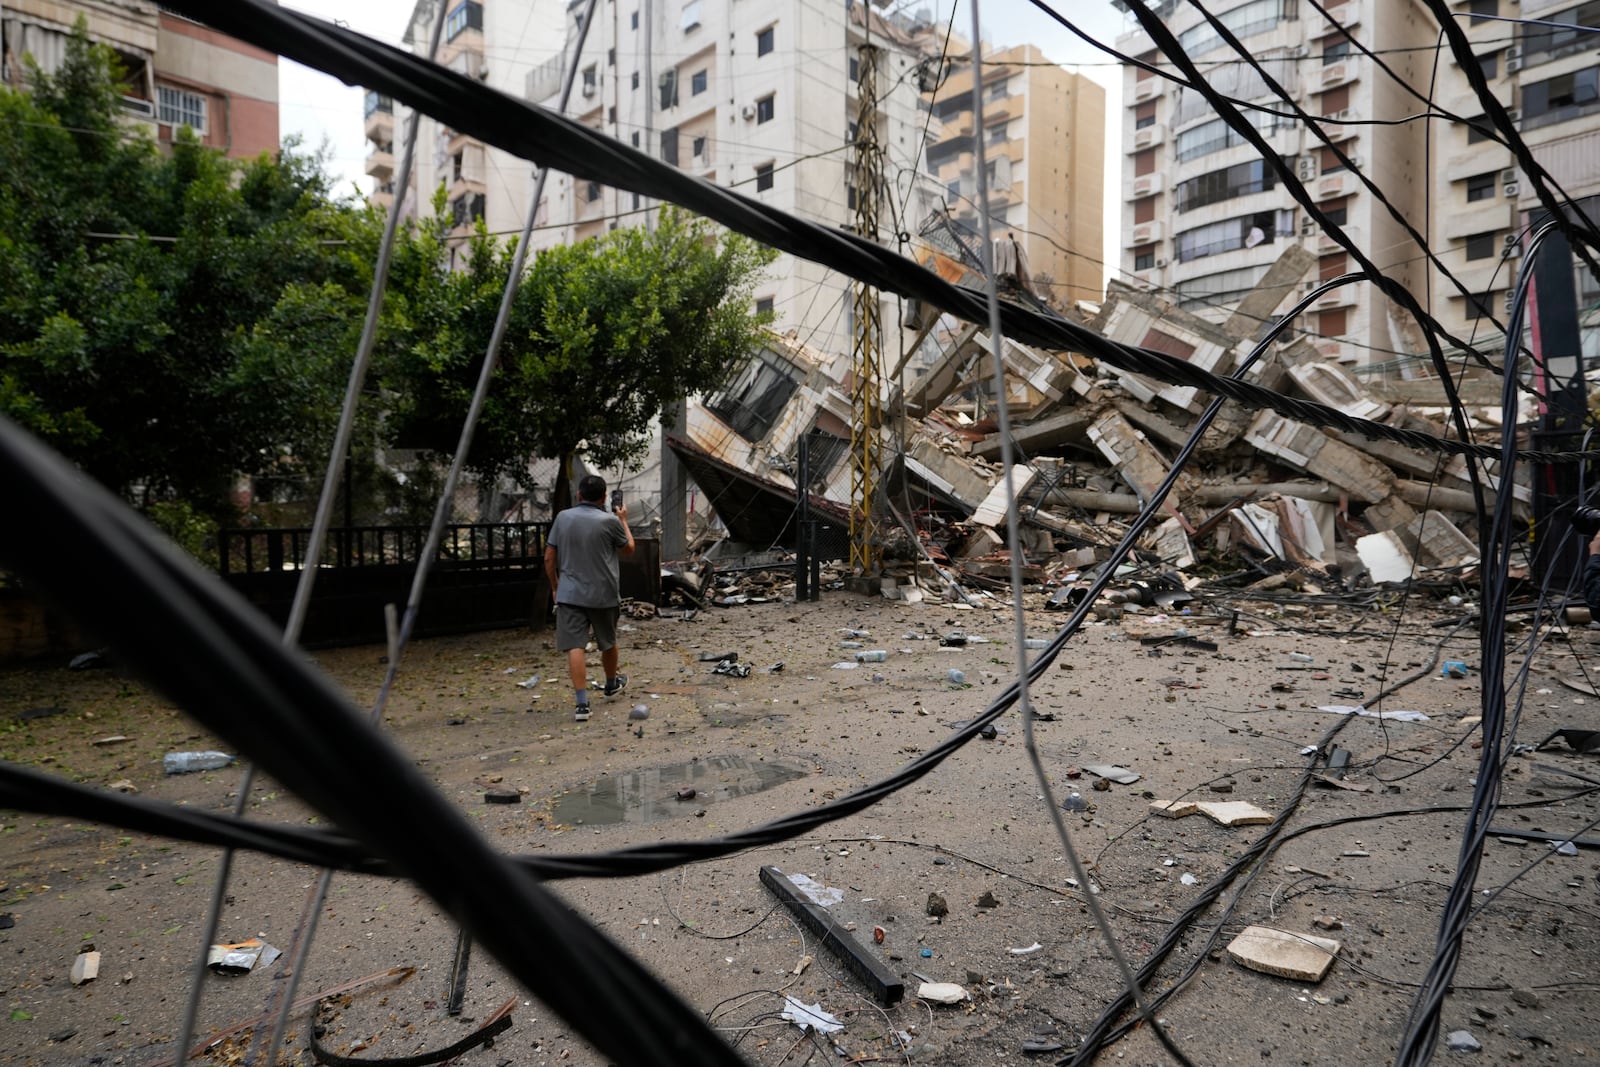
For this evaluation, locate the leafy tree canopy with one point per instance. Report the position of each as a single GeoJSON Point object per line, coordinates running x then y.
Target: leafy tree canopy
{"type": "Point", "coordinates": [167, 321]}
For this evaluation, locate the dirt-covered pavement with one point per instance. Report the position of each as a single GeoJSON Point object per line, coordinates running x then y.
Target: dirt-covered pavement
{"type": "Point", "coordinates": [1367, 865]}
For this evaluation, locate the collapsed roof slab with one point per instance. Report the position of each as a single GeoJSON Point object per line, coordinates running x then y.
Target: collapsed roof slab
{"type": "Point", "coordinates": [1316, 453]}
{"type": "Point", "coordinates": [1136, 459]}
{"type": "Point", "coordinates": [1039, 435]}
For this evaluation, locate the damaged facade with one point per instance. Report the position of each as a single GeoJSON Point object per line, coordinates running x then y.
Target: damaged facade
{"type": "Point", "coordinates": [1264, 498]}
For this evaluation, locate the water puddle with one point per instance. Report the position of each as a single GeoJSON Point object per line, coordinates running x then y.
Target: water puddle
{"type": "Point", "coordinates": [652, 795]}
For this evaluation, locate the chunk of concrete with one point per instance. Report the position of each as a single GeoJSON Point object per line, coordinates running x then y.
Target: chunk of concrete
{"type": "Point", "coordinates": [1303, 957]}
{"type": "Point", "coordinates": [85, 967]}
{"type": "Point", "coordinates": [1234, 812]}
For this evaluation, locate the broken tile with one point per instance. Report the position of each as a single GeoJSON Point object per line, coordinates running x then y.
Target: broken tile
{"type": "Point", "coordinates": [1303, 957]}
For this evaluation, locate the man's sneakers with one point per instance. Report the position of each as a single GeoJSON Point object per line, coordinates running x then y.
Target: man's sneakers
{"type": "Point", "coordinates": [581, 713]}
{"type": "Point", "coordinates": [615, 685]}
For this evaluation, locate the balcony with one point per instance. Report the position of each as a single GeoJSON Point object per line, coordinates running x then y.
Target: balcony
{"type": "Point", "coordinates": [1327, 246]}
{"type": "Point", "coordinates": [1148, 137]}
{"type": "Point", "coordinates": [544, 81]}
{"type": "Point", "coordinates": [1342, 297]}
{"type": "Point", "coordinates": [1146, 185]}
{"type": "Point", "coordinates": [380, 163]}
{"type": "Point", "coordinates": [379, 118]}
{"type": "Point", "coordinates": [1333, 75]}
{"type": "Point", "coordinates": [1346, 15]}
{"type": "Point", "coordinates": [1147, 88]}
{"type": "Point", "coordinates": [1145, 233]}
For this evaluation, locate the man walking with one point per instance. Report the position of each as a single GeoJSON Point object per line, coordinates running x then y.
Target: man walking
{"type": "Point", "coordinates": [580, 560]}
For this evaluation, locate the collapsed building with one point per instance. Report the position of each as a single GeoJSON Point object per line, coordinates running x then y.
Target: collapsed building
{"type": "Point", "coordinates": [1266, 498]}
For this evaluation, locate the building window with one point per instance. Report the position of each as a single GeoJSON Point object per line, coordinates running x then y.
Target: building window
{"type": "Point", "coordinates": [699, 149]}
{"type": "Point", "coordinates": [1144, 162]}
{"type": "Point", "coordinates": [611, 57]}
{"type": "Point", "coordinates": [764, 305]}
{"type": "Point", "coordinates": [1483, 10]}
{"type": "Point", "coordinates": [855, 69]}
{"type": "Point", "coordinates": [763, 177]}
{"type": "Point", "coordinates": [668, 86]}
{"type": "Point", "coordinates": [1248, 19]}
{"type": "Point", "coordinates": [1247, 231]}
{"type": "Point", "coordinates": [467, 15]}
{"type": "Point", "coordinates": [691, 16]}
{"type": "Point", "coordinates": [1330, 163]}
{"type": "Point", "coordinates": [633, 20]}
{"type": "Point", "coordinates": [1565, 96]}
{"type": "Point", "coordinates": [1330, 267]}
{"type": "Point", "coordinates": [591, 192]}
{"type": "Point", "coordinates": [1481, 187]}
{"type": "Point", "coordinates": [1338, 211]}
{"type": "Point", "coordinates": [1214, 136]}
{"type": "Point", "coordinates": [1239, 180]}
{"type": "Point", "coordinates": [697, 82]}
{"type": "Point", "coordinates": [1481, 307]}
{"type": "Point", "coordinates": [1144, 115]}
{"type": "Point", "coordinates": [466, 210]}
{"type": "Point", "coordinates": [764, 41]}
{"type": "Point", "coordinates": [669, 146]}
{"type": "Point", "coordinates": [1490, 65]}
{"type": "Point", "coordinates": [1335, 100]}
{"type": "Point", "coordinates": [175, 107]}
{"type": "Point", "coordinates": [765, 108]}
{"type": "Point", "coordinates": [1144, 257]}
{"type": "Point", "coordinates": [634, 81]}
{"type": "Point", "coordinates": [377, 103]}
{"type": "Point", "coordinates": [634, 137]}
{"type": "Point", "coordinates": [1479, 130]}
{"type": "Point", "coordinates": [1332, 323]}
{"type": "Point", "coordinates": [755, 398]}
{"type": "Point", "coordinates": [1483, 245]}
{"type": "Point", "coordinates": [1543, 41]}
{"type": "Point", "coordinates": [1144, 210]}
{"type": "Point", "coordinates": [1335, 50]}
{"type": "Point", "coordinates": [1220, 290]}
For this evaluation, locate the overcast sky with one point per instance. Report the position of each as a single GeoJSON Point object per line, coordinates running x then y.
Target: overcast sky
{"type": "Point", "coordinates": [323, 110]}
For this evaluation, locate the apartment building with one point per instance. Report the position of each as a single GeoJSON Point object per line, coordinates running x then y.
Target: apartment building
{"type": "Point", "coordinates": [759, 96]}
{"type": "Point", "coordinates": [1044, 147]}
{"type": "Point", "coordinates": [1203, 216]}
{"type": "Point", "coordinates": [497, 42]}
{"type": "Point", "coordinates": [179, 73]}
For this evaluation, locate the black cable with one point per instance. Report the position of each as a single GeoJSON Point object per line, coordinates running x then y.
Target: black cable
{"type": "Point", "coordinates": [530, 132]}
{"type": "Point", "coordinates": [211, 653]}
{"type": "Point", "coordinates": [1422, 1029]}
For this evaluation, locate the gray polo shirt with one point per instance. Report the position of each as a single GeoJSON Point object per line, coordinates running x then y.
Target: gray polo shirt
{"type": "Point", "coordinates": [586, 538]}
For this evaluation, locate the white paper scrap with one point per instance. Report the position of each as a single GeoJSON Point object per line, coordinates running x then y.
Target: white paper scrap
{"type": "Point", "coordinates": [825, 895]}
{"type": "Point", "coordinates": [810, 1016]}
{"type": "Point", "coordinates": [1393, 716]}
{"type": "Point", "coordinates": [1035, 947]}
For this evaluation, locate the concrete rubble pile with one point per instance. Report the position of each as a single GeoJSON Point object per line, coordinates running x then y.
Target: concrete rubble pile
{"type": "Point", "coordinates": [1265, 502]}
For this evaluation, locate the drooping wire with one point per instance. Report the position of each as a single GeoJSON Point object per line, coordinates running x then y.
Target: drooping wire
{"type": "Point", "coordinates": [1422, 1030]}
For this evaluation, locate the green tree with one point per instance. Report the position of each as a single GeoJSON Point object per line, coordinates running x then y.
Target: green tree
{"type": "Point", "coordinates": [604, 336]}
{"type": "Point", "coordinates": [168, 321]}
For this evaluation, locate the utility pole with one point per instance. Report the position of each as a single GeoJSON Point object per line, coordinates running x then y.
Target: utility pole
{"type": "Point", "coordinates": [866, 397]}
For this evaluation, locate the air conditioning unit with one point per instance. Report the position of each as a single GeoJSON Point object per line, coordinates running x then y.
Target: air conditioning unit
{"type": "Point", "coordinates": [748, 112]}
{"type": "Point", "coordinates": [1307, 168]}
{"type": "Point", "coordinates": [1160, 263]}
{"type": "Point", "coordinates": [1514, 52]}
{"type": "Point", "coordinates": [1308, 227]}
{"type": "Point", "coordinates": [1356, 162]}
{"type": "Point", "coordinates": [1511, 238]}
{"type": "Point", "coordinates": [1514, 114]}
{"type": "Point", "coordinates": [588, 89]}
{"type": "Point", "coordinates": [1511, 300]}
{"type": "Point", "coordinates": [1299, 51]}
{"type": "Point", "coordinates": [1513, 65]}
{"type": "Point", "coordinates": [1512, 252]}
{"type": "Point", "coordinates": [1508, 175]}
{"type": "Point", "coordinates": [1511, 188]}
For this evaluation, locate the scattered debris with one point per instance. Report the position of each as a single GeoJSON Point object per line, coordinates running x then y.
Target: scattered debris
{"type": "Point", "coordinates": [1120, 775]}
{"type": "Point", "coordinates": [188, 762]}
{"type": "Point", "coordinates": [1392, 716]}
{"type": "Point", "coordinates": [886, 986]}
{"type": "Point", "coordinates": [942, 992]}
{"type": "Point", "coordinates": [1035, 947]}
{"type": "Point", "coordinates": [1462, 1041]}
{"type": "Point", "coordinates": [85, 967]}
{"type": "Point", "coordinates": [936, 907]}
{"type": "Point", "coordinates": [85, 661]}
{"type": "Point", "coordinates": [241, 957]}
{"type": "Point", "coordinates": [810, 1016]}
{"type": "Point", "coordinates": [1226, 812]}
{"type": "Point", "coordinates": [1580, 741]}
{"type": "Point", "coordinates": [1304, 957]}
{"type": "Point", "coordinates": [502, 796]}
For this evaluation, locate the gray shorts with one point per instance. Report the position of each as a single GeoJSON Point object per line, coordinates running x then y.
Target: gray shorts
{"type": "Point", "coordinates": [573, 625]}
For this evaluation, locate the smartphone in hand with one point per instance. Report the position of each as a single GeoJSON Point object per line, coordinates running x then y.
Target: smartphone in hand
{"type": "Point", "coordinates": [616, 500]}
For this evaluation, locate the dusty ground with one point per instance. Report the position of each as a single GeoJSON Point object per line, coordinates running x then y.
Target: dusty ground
{"type": "Point", "coordinates": [764, 746]}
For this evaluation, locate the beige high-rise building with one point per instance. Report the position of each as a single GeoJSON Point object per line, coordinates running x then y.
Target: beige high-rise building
{"type": "Point", "coordinates": [1044, 148]}
{"type": "Point", "coordinates": [1203, 217]}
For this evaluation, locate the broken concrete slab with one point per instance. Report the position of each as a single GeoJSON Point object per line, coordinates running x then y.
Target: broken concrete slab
{"type": "Point", "coordinates": [1303, 957]}
{"type": "Point", "coordinates": [1385, 557]}
{"type": "Point", "coordinates": [85, 967]}
{"type": "Point", "coordinates": [1120, 775]}
{"type": "Point", "coordinates": [1136, 460]}
{"type": "Point", "coordinates": [1226, 812]}
{"type": "Point", "coordinates": [1315, 452]}
{"type": "Point", "coordinates": [992, 512]}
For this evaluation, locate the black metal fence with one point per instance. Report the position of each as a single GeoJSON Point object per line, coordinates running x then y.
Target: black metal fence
{"type": "Point", "coordinates": [486, 576]}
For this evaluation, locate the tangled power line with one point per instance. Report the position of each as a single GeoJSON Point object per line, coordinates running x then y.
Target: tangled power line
{"type": "Point", "coordinates": [219, 661]}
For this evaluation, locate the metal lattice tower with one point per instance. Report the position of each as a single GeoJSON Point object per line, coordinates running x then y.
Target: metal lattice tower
{"type": "Point", "coordinates": [866, 398]}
